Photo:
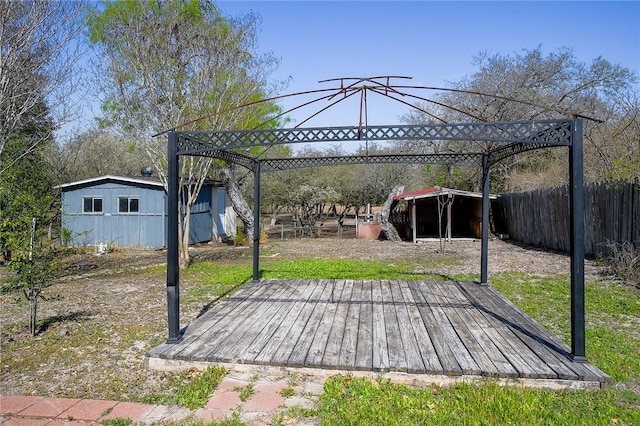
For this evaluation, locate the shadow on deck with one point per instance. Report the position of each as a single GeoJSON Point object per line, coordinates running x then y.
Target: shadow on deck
{"type": "Point", "coordinates": [454, 329]}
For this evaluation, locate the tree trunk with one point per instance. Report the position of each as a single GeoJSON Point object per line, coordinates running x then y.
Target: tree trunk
{"type": "Point", "coordinates": [32, 295]}
{"type": "Point", "coordinates": [238, 202]}
{"type": "Point", "coordinates": [183, 237]}
{"type": "Point", "coordinates": [33, 316]}
{"type": "Point", "coordinates": [441, 206]}
{"type": "Point", "coordinates": [389, 230]}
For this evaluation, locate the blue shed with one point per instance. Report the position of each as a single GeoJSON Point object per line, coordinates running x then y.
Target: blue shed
{"type": "Point", "coordinates": [132, 212]}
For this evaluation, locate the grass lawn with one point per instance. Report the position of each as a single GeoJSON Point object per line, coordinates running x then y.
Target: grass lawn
{"type": "Point", "coordinates": [613, 345]}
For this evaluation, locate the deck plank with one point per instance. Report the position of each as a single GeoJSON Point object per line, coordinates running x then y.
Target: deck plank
{"type": "Point", "coordinates": [215, 336]}
{"type": "Point", "coordinates": [397, 358]}
{"type": "Point", "coordinates": [501, 317]}
{"type": "Point", "coordinates": [231, 306]}
{"type": "Point", "coordinates": [347, 355]}
{"type": "Point", "coordinates": [267, 354]}
{"type": "Point", "coordinates": [409, 342]}
{"type": "Point", "coordinates": [331, 356]}
{"type": "Point", "coordinates": [501, 338]}
{"type": "Point", "coordinates": [247, 331]}
{"type": "Point", "coordinates": [380, 347]}
{"type": "Point", "coordinates": [425, 345]}
{"type": "Point", "coordinates": [281, 310]}
{"type": "Point", "coordinates": [445, 354]}
{"type": "Point", "coordinates": [286, 347]}
{"type": "Point", "coordinates": [536, 348]}
{"type": "Point", "coordinates": [585, 371]}
{"type": "Point", "coordinates": [474, 320]}
{"type": "Point", "coordinates": [364, 345]}
{"type": "Point", "coordinates": [321, 337]}
{"type": "Point", "coordinates": [462, 355]}
{"type": "Point", "coordinates": [303, 345]}
{"type": "Point", "coordinates": [452, 309]}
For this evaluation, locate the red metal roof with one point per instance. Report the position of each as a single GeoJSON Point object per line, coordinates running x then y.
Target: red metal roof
{"type": "Point", "coordinates": [426, 191]}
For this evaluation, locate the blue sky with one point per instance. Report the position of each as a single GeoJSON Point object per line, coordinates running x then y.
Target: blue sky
{"type": "Point", "coordinates": [433, 42]}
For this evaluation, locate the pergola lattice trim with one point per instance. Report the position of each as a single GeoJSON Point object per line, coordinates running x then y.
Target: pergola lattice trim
{"type": "Point", "coordinates": [545, 132]}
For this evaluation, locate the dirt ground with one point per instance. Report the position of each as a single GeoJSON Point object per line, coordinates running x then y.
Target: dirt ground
{"type": "Point", "coordinates": [503, 255]}
{"type": "Point", "coordinates": [102, 319]}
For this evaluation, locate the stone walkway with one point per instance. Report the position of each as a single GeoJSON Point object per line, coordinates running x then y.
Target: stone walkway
{"type": "Point", "coordinates": [266, 402]}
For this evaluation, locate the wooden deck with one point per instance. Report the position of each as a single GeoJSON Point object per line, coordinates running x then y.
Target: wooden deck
{"type": "Point", "coordinates": [441, 328]}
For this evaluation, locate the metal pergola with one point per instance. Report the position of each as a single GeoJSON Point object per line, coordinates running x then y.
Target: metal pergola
{"type": "Point", "coordinates": [505, 140]}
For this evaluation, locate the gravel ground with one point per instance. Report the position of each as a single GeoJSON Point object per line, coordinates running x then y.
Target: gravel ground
{"type": "Point", "coordinates": [100, 322]}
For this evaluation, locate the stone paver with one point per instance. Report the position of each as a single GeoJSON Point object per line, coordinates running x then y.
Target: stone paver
{"type": "Point", "coordinates": [48, 407]}
{"type": "Point", "coordinates": [266, 398]}
{"type": "Point", "coordinates": [225, 397]}
{"type": "Point", "coordinates": [25, 421]}
{"type": "Point", "coordinates": [61, 422]}
{"type": "Point", "coordinates": [211, 414]}
{"type": "Point", "coordinates": [129, 410]}
{"type": "Point", "coordinates": [11, 404]}
{"type": "Point", "coordinates": [163, 412]}
{"type": "Point", "coordinates": [90, 410]}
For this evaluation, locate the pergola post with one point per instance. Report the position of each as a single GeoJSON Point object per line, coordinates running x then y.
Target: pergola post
{"type": "Point", "coordinates": [256, 221]}
{"type": "Point", "coordinates": [484, 263]}
{"type": "Point", "coordinates": [173, 269]}
{"type": "Point", "coordinates": [576, 191]}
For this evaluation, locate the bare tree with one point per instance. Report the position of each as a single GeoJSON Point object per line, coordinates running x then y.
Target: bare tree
{"type": "Point", "coordinates": [307, 203]}
{"type": "Point", "coordinates": [445, 201]}
{"type": "Point", "coordinates": [169, 62]}
{"type": "Point", "coordinates": [92, 153]}
{"type": "Point", "coordinates": [534, 86]}
{"type": "Point", "coordinates": [40, 48]}
{"type": "Point", "coordinates": [240, 205]}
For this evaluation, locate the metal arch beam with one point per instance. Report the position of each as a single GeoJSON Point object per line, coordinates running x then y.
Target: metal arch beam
{"type": "Point", "coordinates": [546, 132]}
{"type": "Point", "coordinates": [276, 164]}
{"type": "Point", "coordinates": [504, 152]}
{"type": "Point", "coordinates": [230, 157]}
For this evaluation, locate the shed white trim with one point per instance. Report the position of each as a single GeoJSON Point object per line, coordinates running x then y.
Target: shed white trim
{"type": "Point", "coordinates": [435, 191]}
{"type": "Point", "coordinates": [143, 181]}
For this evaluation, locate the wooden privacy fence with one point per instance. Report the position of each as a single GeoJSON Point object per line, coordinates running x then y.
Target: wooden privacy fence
{"type": "Point", "coordinates": [541, 218]}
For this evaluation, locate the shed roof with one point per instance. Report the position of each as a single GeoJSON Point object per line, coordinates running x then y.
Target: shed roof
{"type": "Point", "coordinates": [137, 180]}
{"type": "Point", "coordinates": [435, 191]}
{"type": "Point", "coordinates": [150, 181]}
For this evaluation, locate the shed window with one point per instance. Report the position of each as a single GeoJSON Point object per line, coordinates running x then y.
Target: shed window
{"type": "Point", "coordinates": [91, 205]}
{"type": "Point", "coordinates": [128, 205]}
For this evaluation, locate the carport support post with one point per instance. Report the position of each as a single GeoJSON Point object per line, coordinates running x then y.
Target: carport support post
{"type": "Point", "coordinates": [484, 268]}
{"type": "Point", "coordinates": [256, 221]}
{"type": "Point", "coordinates": [576, 190]}
{"type": "Point", "coordinates": [173, 269]}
